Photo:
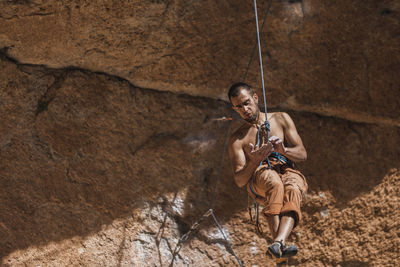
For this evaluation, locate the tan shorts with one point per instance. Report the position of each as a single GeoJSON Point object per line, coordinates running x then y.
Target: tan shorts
{"type": "Point", "coordinates": [281, 189]}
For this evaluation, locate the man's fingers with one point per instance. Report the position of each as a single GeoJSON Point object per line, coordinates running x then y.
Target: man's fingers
{"type": "Point", "coordinates": [274, 139]}
{"type": "Point", "coordinates": [267, 151]}
{"type": "Point", "coordinates": [251, 147]}
{"type": "Point", "coordinates": [269, 144]}
{"type": "Point", "coordinates": [266, 148]}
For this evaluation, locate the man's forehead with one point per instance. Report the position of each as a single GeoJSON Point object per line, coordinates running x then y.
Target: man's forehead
{"type": "Point", "coordinates": [243, 96]}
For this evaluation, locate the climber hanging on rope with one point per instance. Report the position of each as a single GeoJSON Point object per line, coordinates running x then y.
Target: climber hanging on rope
{"type": "Point", "coordinates": [266, 165]}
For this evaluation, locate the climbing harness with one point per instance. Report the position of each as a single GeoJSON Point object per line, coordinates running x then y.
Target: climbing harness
{"type": "Point", "coordinates": [265, 125]}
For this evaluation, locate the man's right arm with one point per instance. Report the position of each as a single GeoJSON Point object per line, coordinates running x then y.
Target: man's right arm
{"type": "Point", "coordinates": [243, 168]}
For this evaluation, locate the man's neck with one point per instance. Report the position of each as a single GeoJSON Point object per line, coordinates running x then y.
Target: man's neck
{"type": "Point", "coordinates": [259, 121]}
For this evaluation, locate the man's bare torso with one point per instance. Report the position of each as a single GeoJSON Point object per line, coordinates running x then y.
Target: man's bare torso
{"type": "Point", "coordinates": [244, 153]}
{"type": "Point", "coordinates": [247, 133]}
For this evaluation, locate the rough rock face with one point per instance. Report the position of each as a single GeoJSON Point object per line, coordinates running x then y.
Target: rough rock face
{"type": "Point", "coordinates": [335, 57]}
{"type": "Point", "coordinates": [111, 137]}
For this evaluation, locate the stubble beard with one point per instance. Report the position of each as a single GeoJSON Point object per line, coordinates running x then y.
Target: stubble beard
{"type": "Point", "coordinates": [253, 118]}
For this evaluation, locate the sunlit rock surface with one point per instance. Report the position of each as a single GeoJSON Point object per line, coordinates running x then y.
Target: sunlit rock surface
{"type": "Point", "coordinates": [111, 135]}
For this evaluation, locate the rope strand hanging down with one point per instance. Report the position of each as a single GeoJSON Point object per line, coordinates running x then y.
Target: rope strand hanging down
{"type": "Point", "coordinates": [260, 58]}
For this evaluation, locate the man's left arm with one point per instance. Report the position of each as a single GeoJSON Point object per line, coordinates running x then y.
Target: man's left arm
{"type": "Point", "coordinates": [295, 151]}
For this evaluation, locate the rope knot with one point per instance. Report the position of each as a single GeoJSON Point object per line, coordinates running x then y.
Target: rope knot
{"type": "Point", "coordinates": [267, 125]}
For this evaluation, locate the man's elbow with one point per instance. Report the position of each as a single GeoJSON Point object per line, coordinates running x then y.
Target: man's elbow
{"type": "Point", "coordinates": [239, 183]}
{"type": "Point", "coordinates": [304, 155]}
{"type": "Point", "coordinates": [301, 155]}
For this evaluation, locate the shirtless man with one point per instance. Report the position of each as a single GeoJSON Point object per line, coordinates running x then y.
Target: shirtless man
{"type": "Point", "coordinates": [267, 169]}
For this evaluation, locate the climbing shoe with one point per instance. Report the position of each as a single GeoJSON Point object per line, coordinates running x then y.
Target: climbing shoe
{"type": "Point", "coordinates": [274, 251]}
{"type": "Point", "coordinates": [289, 251]}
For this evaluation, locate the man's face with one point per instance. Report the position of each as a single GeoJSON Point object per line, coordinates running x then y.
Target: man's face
{"type": "Point", "coordinates": [246, 105]}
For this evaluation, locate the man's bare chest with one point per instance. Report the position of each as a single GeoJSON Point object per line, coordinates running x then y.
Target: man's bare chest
{"type": "Point", "coordinates": [254, 133]}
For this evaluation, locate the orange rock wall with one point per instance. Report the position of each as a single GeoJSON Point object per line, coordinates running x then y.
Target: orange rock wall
{"type": "Point", "coordinates": [110, 149]}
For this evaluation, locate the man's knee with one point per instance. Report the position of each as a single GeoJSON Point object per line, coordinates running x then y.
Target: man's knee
{"type": "Point", "coordinates": [293, 190]}
{"type": "Point", "coordinates": [276, 184]}
{"type": "Point", "coordinates": [291, 214]}
{"type": "Point", "coordinates": [271, 177]}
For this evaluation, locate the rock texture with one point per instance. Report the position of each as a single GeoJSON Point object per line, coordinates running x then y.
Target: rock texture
{"type": "Point", "coordinates": [111, 135]}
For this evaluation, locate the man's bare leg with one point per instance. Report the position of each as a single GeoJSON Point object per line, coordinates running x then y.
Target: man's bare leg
{"type": "Point", "coordinates": [273, 223]}
{"type": "Point", "coordinates": [278, 249]}
{"type": "Point", "coordinates": [285, 227]}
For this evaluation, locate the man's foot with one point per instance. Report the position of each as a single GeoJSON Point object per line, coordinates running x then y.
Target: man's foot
{"type": "Point", "coordinates": [275, 250]}
{"type": "Point", "coordinates": [289, 251]}
{"type": "Point", "coordinates": [278, 250]}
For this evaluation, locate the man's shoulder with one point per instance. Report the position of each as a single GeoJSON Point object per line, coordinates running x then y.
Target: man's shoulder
{"type": "Point", "coordinates": [279, 116]}
{"type": "Point", "coordinates": [239, 133]}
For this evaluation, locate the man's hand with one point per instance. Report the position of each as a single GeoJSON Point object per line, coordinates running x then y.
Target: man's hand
{"type": "Point", "coordinates": [258, 154]}
{"type": "Point", "coordinates": [278, 144]}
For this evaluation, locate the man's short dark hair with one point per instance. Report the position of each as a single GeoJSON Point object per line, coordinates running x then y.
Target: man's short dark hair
{"type": "Point", "coordinates": [235, 89]}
